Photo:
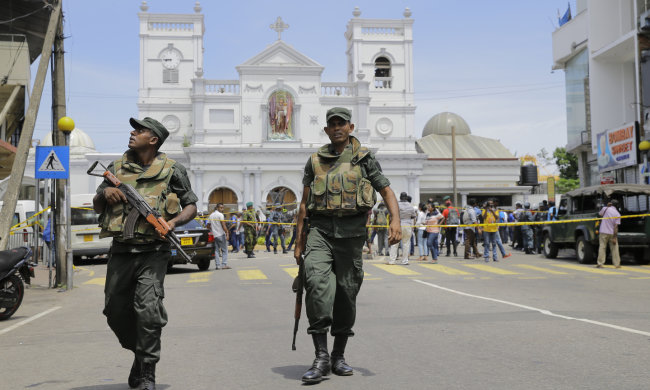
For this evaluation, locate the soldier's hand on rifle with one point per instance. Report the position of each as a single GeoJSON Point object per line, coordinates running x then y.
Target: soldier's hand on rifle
{"type": "Point", "coordinates": [394, 232]}
{"type": "Point", "coordinates": [114, 195]}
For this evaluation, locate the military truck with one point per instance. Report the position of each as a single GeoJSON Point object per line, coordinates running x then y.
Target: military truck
{"type": "Point", "coordinates": [584, 203]}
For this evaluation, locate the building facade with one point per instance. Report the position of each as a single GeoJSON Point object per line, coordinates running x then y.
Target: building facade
{"type": "Point", "coordinates": [602, 51]}
{"type": "Point", "coordinates": [248, 139]}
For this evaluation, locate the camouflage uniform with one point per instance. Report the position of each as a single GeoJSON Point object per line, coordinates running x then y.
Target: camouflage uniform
{"type": "Point", "coordinates": [250, 235]}
{"type": "Point", "coordinates": [135, 274]}
{"type": "Point", "coordinates": [342, 190]}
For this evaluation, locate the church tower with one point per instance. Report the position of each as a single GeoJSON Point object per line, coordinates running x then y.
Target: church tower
{"type": "Point", "coordinates": [171, 55]}
{"type": "Point", "coordinates": [380, 51]}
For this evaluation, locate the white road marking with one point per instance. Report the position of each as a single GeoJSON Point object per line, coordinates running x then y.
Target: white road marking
{"type": "Point", "coordinates": [28, 320]}
{"type": "Point", "coordinates": [542, 311]}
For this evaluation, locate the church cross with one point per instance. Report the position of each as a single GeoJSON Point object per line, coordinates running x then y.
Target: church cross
{"type": "Point", "coordinates": [279, 26]}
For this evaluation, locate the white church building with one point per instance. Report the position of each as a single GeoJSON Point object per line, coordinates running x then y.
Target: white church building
{"type": "Point", "coordinates": [244, 138]}
{"type": "Point", "coordinates": [249, 139]}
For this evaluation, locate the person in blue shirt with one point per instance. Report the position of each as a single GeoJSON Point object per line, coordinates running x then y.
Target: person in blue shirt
{"type": "Point", "coordinates": [552, 212]}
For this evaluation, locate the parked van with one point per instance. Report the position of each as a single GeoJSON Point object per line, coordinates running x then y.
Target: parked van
{"type": "Point", "coordinates": [23, 234]}
{"type": "Point", "coordinates": [85, 229]}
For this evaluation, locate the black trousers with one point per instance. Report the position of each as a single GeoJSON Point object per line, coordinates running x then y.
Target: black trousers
{"type": "Point", "coordinates": [450, 235]}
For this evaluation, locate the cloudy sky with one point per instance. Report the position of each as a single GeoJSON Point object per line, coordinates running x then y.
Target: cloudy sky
{"type": "Point", "coordinates": [488, 61]}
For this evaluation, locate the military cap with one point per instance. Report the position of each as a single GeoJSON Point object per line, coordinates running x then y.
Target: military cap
{"type": "Point", "coordinates": [149, 123]}
{"type": "Point", "coordinates": [447, 197]}
{"type": "Point", "coordinates": [249, 204]}
{"type": "Point", "coordinates": [341, 112]}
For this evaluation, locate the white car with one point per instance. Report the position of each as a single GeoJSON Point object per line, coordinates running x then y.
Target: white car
{"type": "Point", "coordinates": [85, 229]}
{"type": "Point", "coordinates": [23, 234]}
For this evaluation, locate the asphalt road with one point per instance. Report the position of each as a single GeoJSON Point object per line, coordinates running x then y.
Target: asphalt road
{"type": "Point", "coordinates": [522, 323]}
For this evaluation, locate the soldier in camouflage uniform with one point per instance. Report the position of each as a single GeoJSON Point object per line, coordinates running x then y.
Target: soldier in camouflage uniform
{"type": "Point", "coordinates": [339, 182]}
{"type": "Point", "coordinates": [250, 230]}
{"type": "Point", "coordinates": [136, 268]}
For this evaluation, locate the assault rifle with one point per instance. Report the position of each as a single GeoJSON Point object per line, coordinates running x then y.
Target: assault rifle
{"type": "Point", "coordinates": [140, 208]}
{"type": "Point", "coordinates": [299, 281]}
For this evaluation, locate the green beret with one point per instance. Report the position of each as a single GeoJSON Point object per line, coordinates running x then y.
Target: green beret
{"type": "Point", "coordinates": [340, 112]}
{"type": "Point", "coordinates": [249, 204]}
{"type": "Point", "coordinates": [149, 123]}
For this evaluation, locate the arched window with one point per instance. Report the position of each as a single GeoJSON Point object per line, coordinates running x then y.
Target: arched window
{"type": "Point", "coordinates": [281, 196]}
{"type": "Point", "coordinates": [223, 195]}
{"type": "Point", "coordinates": [383, 75]}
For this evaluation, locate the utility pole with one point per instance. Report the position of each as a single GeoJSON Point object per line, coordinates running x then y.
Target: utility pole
{"type": "Point", "coordinates": [58, 138]}
{"type": "Point", "coordinates": [453, 163]}
{"type": "Point", "coordinates": [18, 169]}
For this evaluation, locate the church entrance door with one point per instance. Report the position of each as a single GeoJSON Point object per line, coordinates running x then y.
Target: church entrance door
{"type": "Point", "coordinates": [223, 195]}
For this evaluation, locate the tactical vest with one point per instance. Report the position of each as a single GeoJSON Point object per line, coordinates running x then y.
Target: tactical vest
{"type": "Point", "coordinates": [153, 185]}
{"type": "Point", "coordinates": [339, 188]}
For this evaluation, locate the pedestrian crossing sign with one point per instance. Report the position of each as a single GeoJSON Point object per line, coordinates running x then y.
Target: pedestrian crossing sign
{"type": "Point", "coordinates": [52, 162]}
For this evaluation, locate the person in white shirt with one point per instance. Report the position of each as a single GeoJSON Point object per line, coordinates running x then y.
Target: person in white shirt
{"type": "Point", "coordinates": [421, 229]}
{"type": "Point", "coordinates": [407, 217]}
{"type": "Point", "coordinates": [221, 236]}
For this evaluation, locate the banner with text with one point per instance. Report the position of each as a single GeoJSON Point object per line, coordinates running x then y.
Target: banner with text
{"type": "Point", "coordinates": [616, 148]}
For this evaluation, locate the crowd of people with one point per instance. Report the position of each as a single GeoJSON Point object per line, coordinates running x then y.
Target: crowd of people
{"type": "Point", "coordinates": [423, 227]}
{"type": "Point", "coordinates": [240, 231]}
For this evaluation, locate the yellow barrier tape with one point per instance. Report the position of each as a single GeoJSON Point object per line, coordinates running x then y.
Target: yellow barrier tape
{"type": "Point", "coordinates": [18, 225]}
{"type": "Point", "coordinates": [469, 225]}
{"type": "Point", "coordinates": [417, 226]}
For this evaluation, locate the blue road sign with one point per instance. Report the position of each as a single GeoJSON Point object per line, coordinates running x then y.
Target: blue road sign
{"type": "Point", "coordinates": [52, 162]}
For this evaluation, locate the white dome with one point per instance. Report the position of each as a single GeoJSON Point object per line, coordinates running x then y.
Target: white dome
{"type": "Point", "coordinates": [80, 142]}
{"type": "Point", "coordinates": [442, 123]}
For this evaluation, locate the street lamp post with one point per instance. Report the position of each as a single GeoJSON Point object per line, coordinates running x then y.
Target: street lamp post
{"type": "Point", "coordinates": [66, 125]}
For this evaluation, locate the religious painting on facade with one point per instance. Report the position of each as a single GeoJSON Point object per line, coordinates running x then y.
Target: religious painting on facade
{"type": "Point", "coordinates": [281, 116]}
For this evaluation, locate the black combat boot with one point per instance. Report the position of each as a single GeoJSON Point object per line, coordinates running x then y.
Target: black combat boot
{"type": "Point", "coordinates": [148, 379]}
{"type": "Point", "coordinates": [339, 366]}
{"type": "Point", "coordinates": [134, 375]}
{"type": "Point", "coordinates": [321, 365]}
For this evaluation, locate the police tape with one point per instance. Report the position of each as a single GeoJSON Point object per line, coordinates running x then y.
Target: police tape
{"type": "Point", "coordinates": [463, 225]}
{"type": "Point", "coordinates": [482, 225]}
{"type": "Point", "coordinates": [524, 223]}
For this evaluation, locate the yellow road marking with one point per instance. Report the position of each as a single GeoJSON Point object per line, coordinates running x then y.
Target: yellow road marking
{"type": "Point", "coordinates": [633, 269]}
{"type": "Point", "coordinates": [397, 269]}
{"type": "Point", "coordinates": [491, 269]}
{"type": "Point", "coordinates": [91, 273]}
{"type": "Point", "coordinates": [532, 277]}
{"type": "Point", "coordinates": [199, 277]}
{"type": "Point", "coordinates": [640, 277]}
{"type": "Point", "coordinates": [540, 269]}
{"type": "Point", "coordinates": [253, 274]}
{"type": "Point", "coordinates": [444, 269]}
{"type": "Point", "coordinates": [590, 269]}
{"type": "Point", "coordinates": [293, 271]}
{"type": "Point", "coordinates": [97, 281]}
{"type": "Point", "coordinates": [364, 279]}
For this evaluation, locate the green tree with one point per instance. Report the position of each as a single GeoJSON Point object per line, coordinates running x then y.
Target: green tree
{"type": "Point", "coordinates": [567, 163]}
{"type": "Point", "coordinates": [565, 185]}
